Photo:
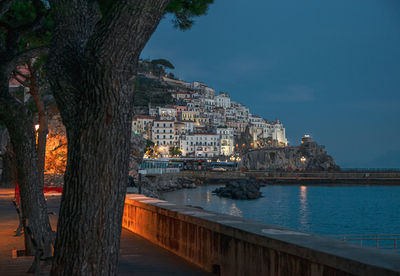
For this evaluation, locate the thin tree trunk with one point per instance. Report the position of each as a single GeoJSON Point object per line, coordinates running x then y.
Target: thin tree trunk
{"type": "Point", "coordinates": [43, 127]}
{"type": "Point", "coordinates": [19, 123]}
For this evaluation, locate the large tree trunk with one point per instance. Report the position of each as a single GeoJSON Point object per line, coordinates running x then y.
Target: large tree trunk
{"type": "Point", "coordinates": [92, 68]}
{"type": "Point", "coordinates": [96, 177]}
{"type": "Point", "coordinates": [19, 123]}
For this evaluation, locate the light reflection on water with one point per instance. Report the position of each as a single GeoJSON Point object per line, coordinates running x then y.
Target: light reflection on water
{"type": "Point", "coordinates": [304, 209]}
{"type": "Point", "coordinates": [325, 210]}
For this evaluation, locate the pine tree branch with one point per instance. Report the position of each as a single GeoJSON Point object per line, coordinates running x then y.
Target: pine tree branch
{"type": "Point", "coordinates": [26, 55]}
{"type": "Point", "coordinates": [37, 23]}
{"type": "Point", "coordinates": [5, 6]}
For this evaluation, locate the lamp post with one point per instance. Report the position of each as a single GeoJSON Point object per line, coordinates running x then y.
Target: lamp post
{"type": "Point", "coordinates": [237, 162]}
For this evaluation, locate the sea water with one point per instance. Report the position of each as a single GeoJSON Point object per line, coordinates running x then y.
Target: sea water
{"type": "Point", "coordinates": [322, 210]}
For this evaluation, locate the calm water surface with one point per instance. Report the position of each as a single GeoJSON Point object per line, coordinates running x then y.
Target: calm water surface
{"type": "Point", "coordinates": [323, 210]}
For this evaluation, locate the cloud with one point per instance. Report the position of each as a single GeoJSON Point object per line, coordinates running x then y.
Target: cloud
{"type": "Point", "coordinates": [293, 93]}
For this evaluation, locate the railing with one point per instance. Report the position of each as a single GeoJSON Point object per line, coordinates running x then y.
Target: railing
{"type": "Point", "coordinates": [370, 169]}
{"type": "Point", "coordinates": [385, 241]}
{"type": "Point", "coordinates": [159, 170]}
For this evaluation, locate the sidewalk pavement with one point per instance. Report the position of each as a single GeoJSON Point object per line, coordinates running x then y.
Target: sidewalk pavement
{"type": "Point", "coordinates": [137, 255]}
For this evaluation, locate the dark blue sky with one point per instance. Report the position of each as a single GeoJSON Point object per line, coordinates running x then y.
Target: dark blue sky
{"type": "Point", "coordinates": [326, 68]}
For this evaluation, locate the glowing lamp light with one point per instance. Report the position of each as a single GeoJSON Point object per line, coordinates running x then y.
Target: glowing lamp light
{"type": "Point", "coordinates": [232, 158]}
{"type": "Point", "coordinates": [303, 159]}
{"type": "Point", "coordinates": [36, 127]}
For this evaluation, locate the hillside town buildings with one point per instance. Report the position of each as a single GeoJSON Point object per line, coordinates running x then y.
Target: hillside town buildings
{"type": "Point", "coordinates": [205, 125]}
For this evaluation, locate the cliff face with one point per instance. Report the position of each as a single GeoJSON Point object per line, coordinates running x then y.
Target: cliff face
{"type": "Point", "coordinates": [308, 156]}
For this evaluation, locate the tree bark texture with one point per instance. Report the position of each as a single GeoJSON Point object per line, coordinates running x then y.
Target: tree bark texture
{"type": "Point", "coordinates": [31, 81]}
{"type": "Point", "coordinates": [9, 176]}
{"type": "Point", "coordinates": [19, 123]}
{"type": "Point", "coordinates": [43, 121]}
{"type": "Point", "coordinates": [92, 67]}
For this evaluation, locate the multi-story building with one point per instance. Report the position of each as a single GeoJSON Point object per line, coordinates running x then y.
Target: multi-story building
{"type": "Point", "coordinates": [167, 113]}
{"type": "Point", "coordinates": [238, 127]}
{"type": "Point", "coordinates": [163, 132]}
{"type": "Point", "coordinates": [142, 125]}
{"type": "Point", "coordinates": [226, 140]}
{"type": "Point", "coordinates": [201, 121]}
{"type": "Point", "coordinates": [258, 125]}
{"type": "Point", "coordinates": [183, 95]}
{"type": "Point", "coordinates": [276, 131]}
{"type": "Point", "coordinates": [200, 145]}
{"type": "Point", "coordinates": [242, 113]}
{"type": "Point", "coordinates": [230, 114]}
{"type": "Point", "coordinates": [187, 115]}
{"type": "Point", "coordinates": [223, 100]}
{"type": "Point", "coordinates": [209, 104]}
{"type": "Point", "coordinates": [180, 108]}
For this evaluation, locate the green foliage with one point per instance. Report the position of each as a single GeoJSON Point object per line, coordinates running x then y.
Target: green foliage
{"type": "Point", "coordinates": [151, 91]}
{"type": "Point", "coordinates": [185, 10]}
{"type": "Point", "coordinates": [163, 62]}
{"type": "Point", "coordinates": [175, 151]}
{"type": "Point", "coordinates": [149, 143]}
{"type": "Point", "coordinates": [24, 12]}
{"type": "Point", "coordinates": [20, 13]}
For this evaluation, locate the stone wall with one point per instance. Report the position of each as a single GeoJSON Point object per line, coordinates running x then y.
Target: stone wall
{"type": "Point", "coordinates": [228, 245]}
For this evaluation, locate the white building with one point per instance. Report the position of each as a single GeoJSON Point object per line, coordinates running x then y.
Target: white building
{"type": "Point", "coordinates": [276, 131]}
{"type": "Point", "coordinates": [209, 104]}
{"type": "Point", "coordinates": [163, 132]}
{"type": "Point", "coordinates": [242, 113]}
{"type": "Point", "coordinates": [200, 145]}
{"type": "Point", "coordinates": [226, 140]}
{"type": "Point", "coordinates": [258, 125]}
{"type": "Point", "coordinates": [223, 100]}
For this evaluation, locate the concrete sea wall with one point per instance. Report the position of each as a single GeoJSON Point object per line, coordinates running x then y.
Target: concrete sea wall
{"type": "Point", "coordinates": [228, 245]}
{"type": "Point", "coordinates": [303, 178]}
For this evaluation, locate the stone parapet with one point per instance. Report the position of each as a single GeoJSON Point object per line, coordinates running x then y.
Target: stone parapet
{"type": "Point", "coordinates": [228, 245]}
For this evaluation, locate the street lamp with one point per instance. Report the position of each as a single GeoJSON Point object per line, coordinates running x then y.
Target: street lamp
{"type": "Point", "coordinates": [303, 159]}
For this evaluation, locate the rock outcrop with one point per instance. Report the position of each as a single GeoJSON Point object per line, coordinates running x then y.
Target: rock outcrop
{"type": "Point", "coordinates": [308, 156]}
{"type": "Point", "coordinates": [240, 189]}
{"type": "Point", "coordinates": [153, 186]}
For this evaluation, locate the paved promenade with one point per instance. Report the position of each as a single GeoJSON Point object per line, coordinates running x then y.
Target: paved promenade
{"type": "Point", "coordinates": [137, 255]}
